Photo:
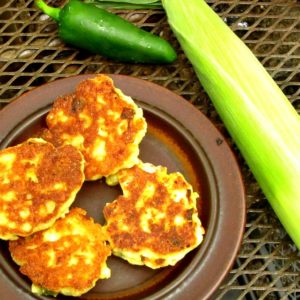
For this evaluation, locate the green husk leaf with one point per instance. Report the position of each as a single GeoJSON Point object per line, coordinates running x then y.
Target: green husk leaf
{"type": "Point", "coordinates": [127, 4]}
{"type": "Point", "coordinates": [132, 1]}
{"type": "Point", "coordinates": [259, 117]}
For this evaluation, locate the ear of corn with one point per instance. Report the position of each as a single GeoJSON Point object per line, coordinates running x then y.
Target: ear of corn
{"type": "Point", "coordinates": [259, 117]}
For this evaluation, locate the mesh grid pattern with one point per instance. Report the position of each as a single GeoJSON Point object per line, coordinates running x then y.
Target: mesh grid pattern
{"type": "Point", "coordinates": [268, 263]}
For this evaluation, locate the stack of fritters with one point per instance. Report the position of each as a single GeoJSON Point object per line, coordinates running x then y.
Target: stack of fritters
{"type": "Point", "coordinates": [94, 132]}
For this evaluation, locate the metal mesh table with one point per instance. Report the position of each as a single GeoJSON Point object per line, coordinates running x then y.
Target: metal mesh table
{"type": "Point", "coordinates": [268, 263]}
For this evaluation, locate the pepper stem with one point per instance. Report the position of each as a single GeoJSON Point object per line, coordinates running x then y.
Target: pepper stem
{"type": "Point", "coordinates": [52, 12]}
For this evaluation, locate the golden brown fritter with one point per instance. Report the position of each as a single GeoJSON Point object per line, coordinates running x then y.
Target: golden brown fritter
{"type": "Point", "coordinates": [67, 258]}
{"type": "Point", "coordinates": [38, 183]}
{"type": "Point", "coordinates": [103, 123]}
{"type": "Point", "coordinates": [155, 222]}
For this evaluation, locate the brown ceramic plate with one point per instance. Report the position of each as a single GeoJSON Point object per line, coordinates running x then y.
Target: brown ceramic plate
{"type": "Point", "coordinates": [179, 137]}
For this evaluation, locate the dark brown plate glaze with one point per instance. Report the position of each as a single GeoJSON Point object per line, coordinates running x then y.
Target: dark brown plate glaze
{"type": "Point", "coordinates": [179, 137]}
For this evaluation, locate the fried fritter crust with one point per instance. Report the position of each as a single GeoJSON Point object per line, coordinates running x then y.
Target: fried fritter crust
{"type": "Point", "coordinates": [103, 123]}
{"type": "Point", "coordinates": [67, 258]}
{"type": "Point", "coordinates": [155, 222]}
{"type": "Point", "coordinates": [38, 183]}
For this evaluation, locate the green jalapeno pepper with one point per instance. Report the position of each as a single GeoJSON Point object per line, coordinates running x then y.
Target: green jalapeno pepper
{"type": "Point", "coordinates": [99, 31]}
